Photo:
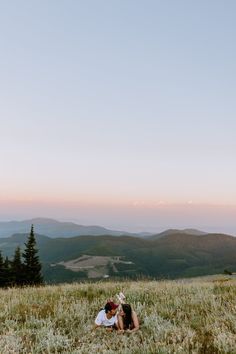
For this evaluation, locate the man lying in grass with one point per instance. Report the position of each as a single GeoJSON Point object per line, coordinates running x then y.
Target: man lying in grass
{"type": "Point", "coordinates": [107, 317]}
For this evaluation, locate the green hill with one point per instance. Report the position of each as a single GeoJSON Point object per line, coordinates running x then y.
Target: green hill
{"type": "Point", "coordinates": [173, 255]}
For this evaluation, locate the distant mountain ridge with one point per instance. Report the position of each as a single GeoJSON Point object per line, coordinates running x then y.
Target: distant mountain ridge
{"type": "Point", "coordinates": [53, 228]}
{"type": "Point", "coordinates": [193, 232]}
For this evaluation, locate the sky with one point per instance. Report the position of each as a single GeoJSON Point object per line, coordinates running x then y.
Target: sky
{"type": "Point", "coordinates": [119, 113]}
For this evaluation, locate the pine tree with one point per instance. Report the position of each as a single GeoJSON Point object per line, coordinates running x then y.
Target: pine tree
{"type": "Point", "coordinates": [7, 272]}
{"type": "Point", "coordinates": [32, 266]}
{"type": "Point", "coordinates": [17, 268]}
{"type": "Point", "coordinates": [2, 273]}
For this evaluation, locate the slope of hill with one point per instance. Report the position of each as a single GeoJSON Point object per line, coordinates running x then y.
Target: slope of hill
{"type": "Point", "coordinates": [188, 255]}
{"type": "Point", "coordinates": [172, 256]}
{"type": "Point", "coordinates": [9, 244]}
{"type": "Point", "coordinates": [176, 317]}
{"type": "Point", "coordinates": [168, 232]}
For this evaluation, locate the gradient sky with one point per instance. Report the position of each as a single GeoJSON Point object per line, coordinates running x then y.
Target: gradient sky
{"type": "Point", "coordinates": [119, 113]}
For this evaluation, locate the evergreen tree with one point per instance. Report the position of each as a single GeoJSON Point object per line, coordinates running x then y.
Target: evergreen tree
{"type": "Point", "coordinates": [17, 268]}
{"type": "Point", "coordinates": [2, 273]}
{"type": "Point", "coordinates": [7, 272]}
{"type": "Point", "coordinates": [32, 266]}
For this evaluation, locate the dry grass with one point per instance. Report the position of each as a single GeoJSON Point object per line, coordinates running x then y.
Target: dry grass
{"type": "Point", "coordinates": [176, 317]}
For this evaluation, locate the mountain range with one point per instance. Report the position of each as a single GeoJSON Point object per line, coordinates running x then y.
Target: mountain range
{"type": "Point", "coordinates": [54, 228]}
{"type": "Point", "coordinates": [171, 254]}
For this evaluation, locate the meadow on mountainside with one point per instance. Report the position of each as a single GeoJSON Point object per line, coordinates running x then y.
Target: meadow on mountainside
{"type": "Point", "coordinates": [194, 316]}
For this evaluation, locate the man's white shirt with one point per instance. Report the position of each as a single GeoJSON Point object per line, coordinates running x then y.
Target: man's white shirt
{"type": "Point", "coordinates": [102, 320]}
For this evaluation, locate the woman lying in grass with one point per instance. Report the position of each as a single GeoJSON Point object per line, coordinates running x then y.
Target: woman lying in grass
{"type": "Point", "coordinates": [127, 319]}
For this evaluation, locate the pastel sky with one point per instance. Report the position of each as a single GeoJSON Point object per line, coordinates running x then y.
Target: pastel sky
{"type": "Point", "coordinates": [120, 113]}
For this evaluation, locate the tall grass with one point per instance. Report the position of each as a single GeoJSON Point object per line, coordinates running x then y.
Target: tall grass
{"type": "Point", "coordinates": [176, 317]}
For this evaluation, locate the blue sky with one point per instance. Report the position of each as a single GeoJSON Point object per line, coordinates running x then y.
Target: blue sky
{"type": "Point", "coordinates": [119, 105]}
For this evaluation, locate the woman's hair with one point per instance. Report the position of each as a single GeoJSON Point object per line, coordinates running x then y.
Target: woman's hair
{"type": "Point", "coordinates": [128, 315]}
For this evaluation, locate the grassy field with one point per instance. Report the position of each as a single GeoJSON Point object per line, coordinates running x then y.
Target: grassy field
{"type": "Point", "coordinates": [194, 316]}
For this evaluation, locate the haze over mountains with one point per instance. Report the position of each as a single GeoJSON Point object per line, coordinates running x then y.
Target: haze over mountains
{"type": "Point", "coordinates": [53, 228]}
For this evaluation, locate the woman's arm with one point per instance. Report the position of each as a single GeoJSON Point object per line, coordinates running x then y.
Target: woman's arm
{"type": "Point", "coordinates": [135, 322]}
{"type": "Point", "coordinates": [120, 323]}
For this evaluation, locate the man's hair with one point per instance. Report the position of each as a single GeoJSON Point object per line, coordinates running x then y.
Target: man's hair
{"type": "Point", "coordinates": [107, 307]}
{"type": "Point", "coordinates": [110, 305]}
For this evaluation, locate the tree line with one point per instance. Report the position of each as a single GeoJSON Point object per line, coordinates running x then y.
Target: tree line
{"type": "Point", "coordinates": [24, 268]}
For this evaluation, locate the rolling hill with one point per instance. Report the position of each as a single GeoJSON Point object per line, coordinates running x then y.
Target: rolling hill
{"type": "Point", "coordinates": [9, 244]}
{"type": "Point", "coordinates": [53, 228]}
{"type": "Point", "coordinates": [172, 254]}
{"type": "Point", "coordinates": [168, 232]}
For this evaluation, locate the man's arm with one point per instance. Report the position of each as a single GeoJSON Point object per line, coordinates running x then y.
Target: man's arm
{"type": "Point", "coordinates": [98, 321]}
{"type": "Point", "coordinates": [97, 326]}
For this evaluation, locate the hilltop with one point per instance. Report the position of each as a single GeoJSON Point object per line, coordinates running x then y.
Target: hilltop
{"type": "Point", "coordinates": [194, 316]}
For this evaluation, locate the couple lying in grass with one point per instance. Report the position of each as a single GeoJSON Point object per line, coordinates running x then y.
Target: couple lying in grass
{"type": "Point", "coordinates": [120, 317]}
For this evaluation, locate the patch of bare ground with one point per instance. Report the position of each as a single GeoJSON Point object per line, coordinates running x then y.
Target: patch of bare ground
{"type": "Point", "coordinates": [96, 266]}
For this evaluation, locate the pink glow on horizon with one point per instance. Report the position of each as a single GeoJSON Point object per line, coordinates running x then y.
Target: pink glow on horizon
{"type": "Point", "coordinates": [126, 216]}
